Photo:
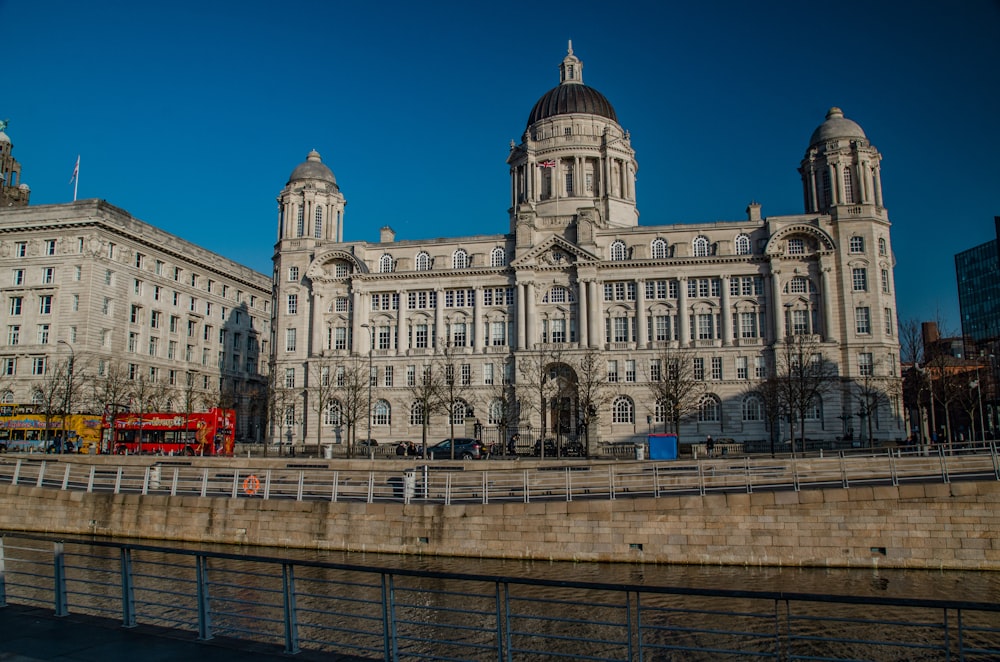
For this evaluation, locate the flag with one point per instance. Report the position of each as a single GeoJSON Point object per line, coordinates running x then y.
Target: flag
{"type": "Point", "coordinates": [547, 164]}
{"type": "Point", "coordinates": [76, 170]}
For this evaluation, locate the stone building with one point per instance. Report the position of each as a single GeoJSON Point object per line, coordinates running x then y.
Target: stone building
{"type": "Point", "coordinates": [576, 277]}
{"type": "Point", "coordinates": [13, 192]}
{"type": "Point", "coordinates": [87, 281]}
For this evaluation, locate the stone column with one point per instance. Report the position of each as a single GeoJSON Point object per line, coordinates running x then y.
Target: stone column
{"type": "Point", "coordinates": [401, 337]}
{"type": "Point", "coordinates": [439, 342]}
{"type": "Point", "coordinates": [581, 313]}
{"type": "Point", "coordinates": [829, 329]}
{"type": "Point", "coordinates": [477, 321]}
{"type": "Point", "coordinates": [777, 311]}
{"type": "Point", "coordinates": [356, 322]}
{"type": "Point", "coordinates": [318, 318]}
{"type": "Point", "coordinates": [641, 330]}
{"type": "Point", "coordinates": [727, 313]}
{"type": "Point", "coordinates": [531, 318]}
{"type": "Point", "coordinates": [683, 314]}
{"type": "Point", "coordinates": [521, 312]}
{"type": "Point", "coordinates": [595, 331]}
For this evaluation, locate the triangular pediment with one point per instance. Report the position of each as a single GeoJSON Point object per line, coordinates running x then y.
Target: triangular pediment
{"type": "Point", "coordinates": [554, 252]}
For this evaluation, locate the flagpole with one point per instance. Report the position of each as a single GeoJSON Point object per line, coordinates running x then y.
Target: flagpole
{"type": "Point", "coordinates": [76, 177]}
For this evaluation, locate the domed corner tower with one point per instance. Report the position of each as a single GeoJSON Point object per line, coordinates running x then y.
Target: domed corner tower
{"type": "Point", "coordinates": [13, 192]}
{"type": "Point", "coordinates": [574, 159]}
{"type": "Point", "coordinates": [841, 170]}
{"type": "Point", "coordinates": [311, 205]}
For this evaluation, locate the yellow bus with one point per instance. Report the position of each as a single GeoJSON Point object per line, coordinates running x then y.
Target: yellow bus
{"type": "Point", "coordinates": [22, 428]}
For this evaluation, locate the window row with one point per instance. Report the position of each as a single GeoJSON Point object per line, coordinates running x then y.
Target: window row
{"type": "Point", "coordinates": [460, 259]}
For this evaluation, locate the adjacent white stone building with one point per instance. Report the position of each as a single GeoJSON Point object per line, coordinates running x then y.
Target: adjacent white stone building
{"type": "Point", "coordinates": [87, 281]}
{"type": "Point", "coordinates": [575, 274]}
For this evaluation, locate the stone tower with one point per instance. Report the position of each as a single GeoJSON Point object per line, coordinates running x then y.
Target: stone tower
{"type": "Point", "coordinates": [13, 193]}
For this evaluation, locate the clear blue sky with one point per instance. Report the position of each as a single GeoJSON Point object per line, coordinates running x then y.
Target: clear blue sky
{"type": "Point", "coordinates": [192, 115]}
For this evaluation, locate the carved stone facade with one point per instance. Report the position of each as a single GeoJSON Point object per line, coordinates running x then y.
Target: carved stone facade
{"type": "Point", "coordinates": [90, 277]}
{"type": "Point", "coordinates": [577, 275]}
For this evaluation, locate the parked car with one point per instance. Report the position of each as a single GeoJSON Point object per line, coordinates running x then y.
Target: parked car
{"type": "Point", "coordinates": [465, 448]}
{"type": "Point", "coordinates": [569, 449]}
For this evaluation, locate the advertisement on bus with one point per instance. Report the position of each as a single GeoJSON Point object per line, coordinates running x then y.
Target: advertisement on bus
{"type": "Point", "coordinates": [24, 429]}
{"type": "Point", "coordinates": [170, 433]}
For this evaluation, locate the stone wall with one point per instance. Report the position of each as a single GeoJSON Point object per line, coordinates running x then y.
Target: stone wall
{"type": "Point", "coordinates": [915, 526]}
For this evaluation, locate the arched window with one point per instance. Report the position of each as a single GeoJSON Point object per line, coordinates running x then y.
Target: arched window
{"type": "Point", "coordinates": [423, 261]}
{"type": "Point", "coordinates": [882, 247]}
{"type": "Point", "coordinates": [622, 410]}
{"type": "Point", "coordinates": [417, 413]}
{"type": "Point", "coordinates": [332, 414]}
{"type": "Point", "coordinates": [618, 250]}
{"type": "Point", "coordinates": [385, 264]}
{"type": "Point", "coordinates": [827, 193]}
{"type": "Point", "coordinates": [458, 413]}
{"type": "Point", "coordinates": [743, 244]}
{"type": "Point", "coordinates": [495, 414]}
{"type": "Point", "coordinates": [558, 294]}
{"type": "Point", "coordinates": [37, 398]}
{"type": "Point", "coordinates": [459, 259]}
{"type": "Point", "coordinates": [798, 285]}
{"type": "Point", "coordinates": [699, 247]}
{"type": "Point", "coordinates": [8, 397]}
{"type": "Point", "coordinates": [848, 187]}
{"type": "Point", "coordinates": [708, 410]}
{"type": "Point", "coordinates": [498, 257]}
{"type": "Point", "coordinates": [381, 413]}
{"type": "Point", "coordinates": [318, 227]}
{"type": "Point", "coordinates": [753, 408]}
{"type": "Point", "coordinates": [300, 223]}
{"type": "Point", "coordinates": [658, 249]}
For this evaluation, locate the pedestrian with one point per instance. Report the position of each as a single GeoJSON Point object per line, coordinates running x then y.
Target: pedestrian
{"type": "Point", "coordinates": [401, 449]}
{"type": "Point", "coordinates": [512, 444]}
{"type": "Point", "coordinates": [710, 446]}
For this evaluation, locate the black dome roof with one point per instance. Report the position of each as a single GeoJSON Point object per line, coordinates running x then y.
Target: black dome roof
{"type": "Point", "coordinates": [573, 98]}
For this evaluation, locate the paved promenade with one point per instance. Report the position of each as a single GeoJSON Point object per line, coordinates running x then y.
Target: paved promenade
{"type": "Point", "coordinates": [31, 634]}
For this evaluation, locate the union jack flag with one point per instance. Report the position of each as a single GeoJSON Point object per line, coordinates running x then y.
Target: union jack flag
{"type": "Point", "coordinates": [547, 164]}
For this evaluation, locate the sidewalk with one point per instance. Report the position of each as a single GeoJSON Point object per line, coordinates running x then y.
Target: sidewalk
{"type": "Point", "coordinates": [32, 634]}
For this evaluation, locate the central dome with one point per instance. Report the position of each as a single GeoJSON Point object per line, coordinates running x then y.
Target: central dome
{"type": "Point", "coordinates": [571, 98]}
{"type": "Point", "coordinates": [313, 168]}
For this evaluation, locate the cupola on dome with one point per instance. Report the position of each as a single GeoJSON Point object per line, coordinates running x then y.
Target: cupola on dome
{"type": "Point", "coordinates": [571, 95]}
{"type": "Point", "coordinates": [836, 126]}
{"type": "Point", "coordinates": [312, 168]}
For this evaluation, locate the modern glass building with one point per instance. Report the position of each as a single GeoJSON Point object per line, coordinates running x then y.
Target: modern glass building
{"type": "Point", "coordinates": [977, 271]}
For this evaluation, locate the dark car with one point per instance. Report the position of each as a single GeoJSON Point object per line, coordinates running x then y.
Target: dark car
{"type": "Point", "coordinates": [569, 449]}
{"type": "Point", "coordinates": [465, 448]}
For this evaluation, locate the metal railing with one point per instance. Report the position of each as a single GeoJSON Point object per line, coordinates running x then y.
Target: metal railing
{"type": "Point", "coordinates": [479, 482]}
{"type": "Point", "coordinates": [401, 614]}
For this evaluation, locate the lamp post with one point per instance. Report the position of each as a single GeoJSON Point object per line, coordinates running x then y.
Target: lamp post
{"type": "Point", "coordinates": [371, 347]}
{"type": "Point", "coordinates": [68, 399]}
{"type": "Point", "coordinates": [979, 395]}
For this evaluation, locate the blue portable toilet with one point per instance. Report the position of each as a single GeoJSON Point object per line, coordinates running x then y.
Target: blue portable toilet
{"type": "Point", "coordinates": [662, 446]}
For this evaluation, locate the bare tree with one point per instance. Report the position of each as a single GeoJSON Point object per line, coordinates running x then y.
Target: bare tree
{"type": "Point", "coordinates": [543, 374]}
{"type": "Point", "coordinates": [916, 386]}
{"type": "Point", "coordinates": [322, 377]}
{"type": "Point", "coordinates": [50, 393]}
{"type": "Point", "coordinates": [351, 388]}
{"type": "Point", "coordinates": [429, 395]}
{"type": "Point", "coordinates": [593, 390]}
{"type": "Point", "coordinates": [111, 389]}
{"type": "Point", "coordinates": [769, 393]}
{"type": "Point", "coordinates": [871, 393]}
{"type": "Point", "coordinates": [676, 386]}
{"type": "Point", "coordinates": [501, 405]}
{"type": "Point", "coordinates": [802, 376]}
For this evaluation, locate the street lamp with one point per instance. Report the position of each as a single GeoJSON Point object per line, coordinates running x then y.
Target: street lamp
{"type": "Point", "coordinates": [371, 347]}
{"type": "Point", "coordinates": [68, 399]}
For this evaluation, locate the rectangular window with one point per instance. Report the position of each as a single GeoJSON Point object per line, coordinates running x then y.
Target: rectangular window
{"type": "Point", "coordinates": [800, 322]}
{"type": "Point", "coordinates": [77, 272]}
{"type": "Point", "coordinates": [420, 335]}
{"type": "Point", "coordinates": [206, 333]}
{"type": "Point", "coordinates": [293, 274]}
{"type": "Point", "coordinates": [193, 305]}
{"type": "Point", "coordinates": [9, 366]}
{"type": "Point", "coordinates": [192, 325]}
{"type": "Point", "coordinates": [705, 326]}
{"type": "Point", "coordinates": [655, 370]}
{"type": "Point", "coordinates": [20, 249]}
{"type": "Point", "coordinates": [742, 372]}
{"type": "Point", "coordinates": [293, 304]}
{"type": "Point", "coordinates": [139, 257]}
{"type": "Point", "coordinates": [488, 374]}
{"type": "Point", "coordinates": [387, 371]}
{"type": "Point", "coordinates": [716, 367]}
{"type": "Point", "coordinates": [862, 320]}
{"type": "Point", "coordinates": [699, 369]}
{"type": "Point", "coordinates": [13, 334]}
{"type": "Point", "coordinates": [155, 318]}
{"type": "Point", "coordinates": [50, 246]}
{"type": "Point", "coordinates": [289, 377]}
{"type": "Point", "coordinates": [38, 365]}
{"type": "Point", "coordinates": [859, 279]}
{"type": "Point", "coordinates": [411, 375]}
{"type": "Point", "coordinates": [890, 322]}
{"type": "Point", "coordinates": [885, 281]}
{"type": "Point", "coordinates": [43, 334]}
{"type": "Point", "coordinates": [630, 370]}
{"type": "Point", "coordinates": [558, 330]}
{"type": "Point", "coordinates": [796, 246]}
{"type": "Point", "coordinates": [48, 275]}
{"type": "Point", "coordinates": [340, 337]}
{"type": "Point", "coordinates": [460, 335]}
{"type": "Point", "coordinates": [865, 366]}
{"type": "Point", "coordinates": [133, 340]}
{"type": "Point", "coordinates": [45, 304]}
{"type": "Point", "coordinates": [154, 346]}
{"type": "Point", "coordinates": [172, 349]}
{"type": "Point", "coordinates": [857, 244]}
{"type": "Point", "coordinates": [759, 367]}
{"type": "Point", "coordinates": [748, 325]}
{"type": "Point", "coordinates": [498, 333]}
{"type": "Point", "coordinates": [612, 371]}
{"type": "Point", "coordinates": [289, 340]}
{"type": "Point", "coordinates": [466, 374]}
{"type": "Point", "coordinates": [15, 305]}
{"type": "Point", "coordinates": [661, 328]}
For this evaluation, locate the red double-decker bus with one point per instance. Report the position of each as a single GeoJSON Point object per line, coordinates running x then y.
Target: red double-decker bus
{"type": "Point", "coordinates": [171, 433]}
